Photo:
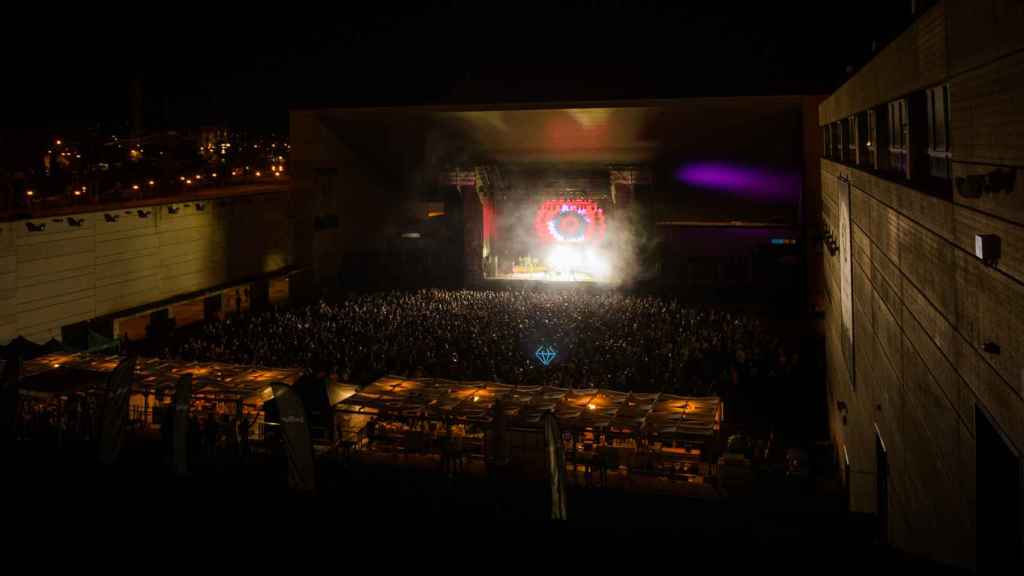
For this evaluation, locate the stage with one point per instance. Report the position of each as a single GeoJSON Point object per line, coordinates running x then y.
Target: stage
{"type": "Point", "coordinates": [553, 277]}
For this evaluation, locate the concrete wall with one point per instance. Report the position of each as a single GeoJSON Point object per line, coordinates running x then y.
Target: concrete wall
{"type": "Point", "coordinates": [348, 205]}
{"type": "Point", "coordinates": [924, 305]}
{"type": "Point", "coordinates": [318, 164]}
{"type": "Point", "coordinates": [65, 274]}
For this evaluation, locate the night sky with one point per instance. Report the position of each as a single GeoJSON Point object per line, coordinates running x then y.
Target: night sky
{"type": "Point", "coordinates": [76, 72]}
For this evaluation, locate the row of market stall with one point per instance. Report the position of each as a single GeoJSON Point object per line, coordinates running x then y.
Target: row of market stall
{"type": "Point", "coordinates": [416, 414]}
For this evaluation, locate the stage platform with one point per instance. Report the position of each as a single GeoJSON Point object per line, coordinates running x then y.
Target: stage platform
{"type": "Point", "coordinates": [521, 282]}
{"type": "Point", "coordinates": [547, 277]}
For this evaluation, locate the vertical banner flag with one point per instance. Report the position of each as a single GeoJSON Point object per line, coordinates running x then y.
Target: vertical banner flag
{"type": "Point", "coordinates": [114, 411]}
{"type": "Point", "coordinates": [182, 400]}
{"type": "Point", "coordinates": [9, 398]}
{"type": "Point", "coordinates": [295, 427]}
{"type": "Point", "coordinates": [556, 465]}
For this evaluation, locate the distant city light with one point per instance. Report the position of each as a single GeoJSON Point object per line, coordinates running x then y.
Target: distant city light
{"type": "Point", "coordinates": [58, 142]}
{"type": "Point", "coordinates": [188, 182]}
{"type": "Point", "coordinates": [151, 183]}
{"type": "Point", "coordinates": [135, 186]}
{"type": "Point", "coordinates": [258, 174]}
{"type": "Point", "coordinates": [78, 192]}
{"type": "Point", "coordinates": [214, 175]}
{"type": "Point", "coordinates": [30, 193]}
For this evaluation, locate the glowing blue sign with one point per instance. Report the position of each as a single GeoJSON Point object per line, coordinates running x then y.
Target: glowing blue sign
{"type": "Point", "coordinates": [546, 354]}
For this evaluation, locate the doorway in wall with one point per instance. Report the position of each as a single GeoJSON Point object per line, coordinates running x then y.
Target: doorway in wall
{"type": "Point", "coordinates": [882, 488]}
{"type": "Point", "coordinates": [1000, 507]}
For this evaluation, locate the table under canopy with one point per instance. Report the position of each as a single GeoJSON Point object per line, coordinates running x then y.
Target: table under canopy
{"type": "Point", "coordinates": [66, 372]}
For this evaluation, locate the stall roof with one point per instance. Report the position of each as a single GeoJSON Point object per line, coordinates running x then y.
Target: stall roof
{"type": "Point", "coordinates": [663, 414]}
{"type": "Point", "coordinates": [217, 378]}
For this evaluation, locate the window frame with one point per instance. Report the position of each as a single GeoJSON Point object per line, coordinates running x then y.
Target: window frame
{"type": "Point", "coordinates": [899, 137]}
{"type": "Point", "coordinates": [939, 153]}
{"type": "Point", "coordinates": [851, 138]}
{"type": "Point", "coordinates": [871, 137]}
{"type": "Point", "coordinates": [837, 141]}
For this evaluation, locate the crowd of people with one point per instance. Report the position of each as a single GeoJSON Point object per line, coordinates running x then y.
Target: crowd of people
{"type": "Point", "coordinates": [599, 338]}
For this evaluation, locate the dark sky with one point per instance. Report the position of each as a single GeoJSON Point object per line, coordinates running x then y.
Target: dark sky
{"type": "Point", "coordinates": [76, 71]}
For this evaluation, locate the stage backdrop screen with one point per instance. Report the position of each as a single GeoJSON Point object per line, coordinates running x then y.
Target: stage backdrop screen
{"type": "Point", "coordinates": [572, 221]}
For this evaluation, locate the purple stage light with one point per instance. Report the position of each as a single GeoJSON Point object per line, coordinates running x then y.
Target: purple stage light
{"type": "Point", "coordinates": [751, 182]}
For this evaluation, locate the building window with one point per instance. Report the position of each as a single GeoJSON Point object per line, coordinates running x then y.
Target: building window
{"type": "Point", "coordinates": [839, 142]}
{"type": "Point", "coordinates": [851, 140]}
{"type": "Point", "coordinates": [899, 137]}
{"type": "Point", "coordinates": [871, 139]}
{"type": "Point", "coordinates": [938, 131]}
{"type": "Point", "coordinates": [848, 143]}
{"type": "Point", "coordinates": [877, 145]}
{"type": "Point", "coordinates": [859, 139]}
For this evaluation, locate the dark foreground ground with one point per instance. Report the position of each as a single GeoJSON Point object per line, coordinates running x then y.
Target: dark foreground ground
{"type": "Point", "coordinates": [59, 499]}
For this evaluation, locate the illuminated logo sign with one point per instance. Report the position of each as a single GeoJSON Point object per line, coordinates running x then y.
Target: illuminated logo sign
{"type": "Point", "coordinates": [546, 354]}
